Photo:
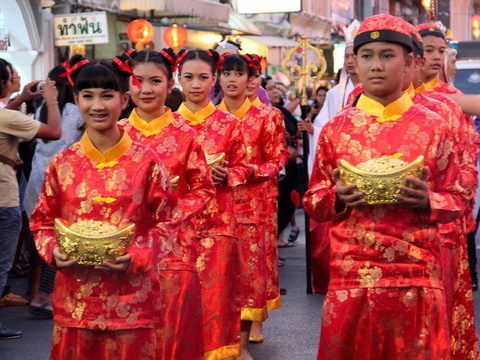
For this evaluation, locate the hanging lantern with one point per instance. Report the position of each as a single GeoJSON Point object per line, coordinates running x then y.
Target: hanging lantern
{"type": "Point", "coordinates": [140, 31]}
{"type": "Point", "coordinates": [476, 26]}
{"type": "Point", "coordinates": [175, 37]}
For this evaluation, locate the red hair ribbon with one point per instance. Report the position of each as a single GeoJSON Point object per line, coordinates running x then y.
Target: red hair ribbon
{"type": "Point", "coordinates": [126, 65]}
{"type": "Point", "coordinates": [169, 58]}
{"type": "Point", "coordinates": [252, 61]}
{"type": "Point", "coordinates": [222, 59]}
{"type": "Point", "coordinates": [69, 70]}
{"type": "Point", "coordinates": [129, 52]}
{"type": "Point", "coordinates": [178, 63]}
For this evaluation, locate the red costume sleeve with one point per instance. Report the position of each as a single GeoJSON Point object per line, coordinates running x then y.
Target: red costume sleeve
{"type": "Point", "coordinates": [198, 178]}
{"type": "Point", "coordinates": [237, 166]}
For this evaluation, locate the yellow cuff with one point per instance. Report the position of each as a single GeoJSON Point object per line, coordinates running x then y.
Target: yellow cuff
{"type": "Point", "coordinates": [254, 314]}
{"type": "Point", "coordinates": [274, 303]}
{"type": "Point", "coordinates": [225, 352]}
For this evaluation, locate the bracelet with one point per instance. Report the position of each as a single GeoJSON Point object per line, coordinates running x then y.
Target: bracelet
{"type": "Point", "coordinates": [52, 103]}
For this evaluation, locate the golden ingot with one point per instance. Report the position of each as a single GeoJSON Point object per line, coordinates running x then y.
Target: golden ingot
{"type": "Point", "coordinates": [215, 159]}
{"type": "Point", "coordinates": [379, 178]}
{"type": "Point", "coordinates": [90, 242]}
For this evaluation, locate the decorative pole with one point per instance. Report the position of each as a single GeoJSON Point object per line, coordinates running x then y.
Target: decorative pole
{"type": "Point", "coordinates": [302, 74]}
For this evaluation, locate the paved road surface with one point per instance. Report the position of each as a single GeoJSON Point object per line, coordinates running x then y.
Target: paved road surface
{"type": "Point", "coordinates": [291, 331]}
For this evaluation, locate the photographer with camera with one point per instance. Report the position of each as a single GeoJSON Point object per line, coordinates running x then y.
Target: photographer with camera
{"type": "Point", "coordinates": [15, 126]}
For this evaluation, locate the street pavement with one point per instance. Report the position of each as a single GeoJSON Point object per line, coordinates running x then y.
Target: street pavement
{"type": "Point", "coordinates": [291, 332]}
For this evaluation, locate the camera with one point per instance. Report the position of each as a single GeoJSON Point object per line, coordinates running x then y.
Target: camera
{"type": "Point", "coordinates": [40, 86]}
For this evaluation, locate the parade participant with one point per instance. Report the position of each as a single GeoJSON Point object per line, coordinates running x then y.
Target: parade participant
{"type": "Point", "coordinates": [177, 145]}
{"type": "Point", "coordinates": [220, 135]}
{"type": "Point", "coordinates": [385, 261]}
{"type": "Point", "coordinates": [250, 202]}
{"type": "Point", "coordinates": [228, 47]}
{"type": "Point", "coordinates": [106, 180]}
{"type": "Point", "coordinates": [457, 278]}
{"type": "Point", "coordinates": [435, 46]}
{"type": "Point", "coordinates": [271, 188]}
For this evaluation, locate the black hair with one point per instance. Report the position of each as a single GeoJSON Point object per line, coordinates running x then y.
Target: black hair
{"type": "Point", "coordinates": [102, 74]}
{"type": "Point", "coordinates": [210, 57]}
{"type": "Point", "coordinates": [174, 99]}
{"type": "Point", "coordinates": [65, 91]}
{"type": "Point", "coordinates": [236, 63]}
{"type": "Point", "coordinates": [324, 88]}
{"type": "Point", "coordinates": [265, 80]}
{"type": "Point", "coordinates": [5, 75]}
{"type": "Point", "coordinates": [166, 58]}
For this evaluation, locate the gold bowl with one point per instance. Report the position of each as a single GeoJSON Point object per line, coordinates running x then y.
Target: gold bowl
{"type": "Point", "coordinates": [379, 178]}
{"type": "Point", "coordinates": [215, 159]}
{"type": "Point", "coordinates": [90, 242]}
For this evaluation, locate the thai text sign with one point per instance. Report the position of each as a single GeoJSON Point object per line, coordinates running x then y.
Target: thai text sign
{"type": "Point", "coordinates": [81, 28]}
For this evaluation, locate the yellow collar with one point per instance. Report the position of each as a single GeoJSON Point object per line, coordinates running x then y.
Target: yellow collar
{"type": "Point", "coordinates": [197, 117]}
{"type": "Point", "coordinates": [432, 84]}
{"type": "Point", "coordinates": [242, 110]}
{"type": "Point", "coordinates": [410, 91]}
{"type": "Point", "coordinates": [391, 112]}
{"type": "Point", "coordinates": [108, 158]}
{"type": "Point", "coordinates": [153, 127]}
{"type": "Point", "coordinates": [420, 89]}
{"type": "Point", "coordinates": [256, 102]}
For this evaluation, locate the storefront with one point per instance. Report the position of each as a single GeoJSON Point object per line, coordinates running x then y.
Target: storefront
{"type": "Point", "coordinates": [30, 41]}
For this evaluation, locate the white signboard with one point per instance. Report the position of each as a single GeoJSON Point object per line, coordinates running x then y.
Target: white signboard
{"type": "Point", "coordinates": [81, 28]}
{"type": "Point", "coordinates": [268, 6]}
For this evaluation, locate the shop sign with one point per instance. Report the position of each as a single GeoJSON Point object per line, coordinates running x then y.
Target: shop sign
{"type": "Point", "coordinates": [81, 29]}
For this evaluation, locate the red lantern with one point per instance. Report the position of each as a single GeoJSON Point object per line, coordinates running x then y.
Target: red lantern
{"type": "Point", "coordinates": [175, 37]}
{"type": "Point", "coordinates": [476, 26]}
{"type": "Point", "coordinates": [140, 31]}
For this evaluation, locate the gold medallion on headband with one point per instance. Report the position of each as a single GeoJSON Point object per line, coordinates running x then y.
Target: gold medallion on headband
{"type": "Point", "coordinates": [431, 29]}
{"type": "Point", "coordinates": [374, 35]}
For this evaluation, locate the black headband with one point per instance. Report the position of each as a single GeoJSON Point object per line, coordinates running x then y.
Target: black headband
{"type": "Point", "coordinates": [382, 35]}
{"type": "Point", "coordinates": [432, 31]}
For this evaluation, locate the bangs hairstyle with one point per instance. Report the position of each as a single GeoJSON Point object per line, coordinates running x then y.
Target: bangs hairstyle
{"type": "Point", "coordinates": [98, 74]}
{"type": "Point", "coordinates": [210, 57]}
{"type": "Point", "coordinates": [166, 62]}
{"type": "Point", "coordinates": [236, 62]}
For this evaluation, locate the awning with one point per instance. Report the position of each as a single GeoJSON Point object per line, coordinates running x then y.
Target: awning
{"type": "Point", "coordinates": [203, 9]}
{"type": "Point", "coordinates": [242, 24]}
{"type": "Point", "coordinates": [273, 41]}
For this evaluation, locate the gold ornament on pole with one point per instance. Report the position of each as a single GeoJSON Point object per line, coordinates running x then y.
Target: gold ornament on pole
{"type": "Point", "coordinates": [311, 66]}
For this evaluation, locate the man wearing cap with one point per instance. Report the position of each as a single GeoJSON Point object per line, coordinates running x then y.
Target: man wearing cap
{"type": "Point", "coordinates": [457, 279]}
{"type": "Point", "coordinates": [385, 299]}
{"type": "Point", "coordinates": [435, 47]}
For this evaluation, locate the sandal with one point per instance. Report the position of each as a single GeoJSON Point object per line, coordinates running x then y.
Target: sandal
{"type": "Point", "coordinates": [256, 339]}
{"type": "Point", "coordinates": [13, 300]}
{"type": "Point", "coordinates": [42, 311]}
{"type": "Point", "coordinates": [293, 235]}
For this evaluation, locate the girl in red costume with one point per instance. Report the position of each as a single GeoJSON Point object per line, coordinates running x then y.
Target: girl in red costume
{"type": "Point", "coordinates": [236, 72]}
{"type": "Point", "coordinates": [271, 188]}
{"type": "Point", "coordinates": [177, 145]}
{"type": "Point", "coordinates": [108, 311]}
{"type": "Point", "coordinates": [218, 260]}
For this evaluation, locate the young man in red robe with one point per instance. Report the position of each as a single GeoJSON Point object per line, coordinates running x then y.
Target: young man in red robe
{"type": "Point", "coordinates": [385, 299]}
